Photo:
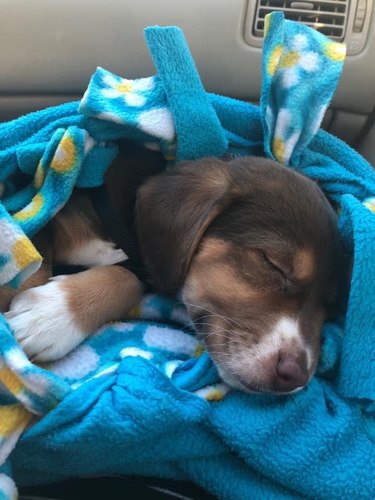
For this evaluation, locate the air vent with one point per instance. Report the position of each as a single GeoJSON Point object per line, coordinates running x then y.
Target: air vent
{"type": "Point", "coordinates": [327, 16]}
{"type": "Point", "coordinates": [345, 21]}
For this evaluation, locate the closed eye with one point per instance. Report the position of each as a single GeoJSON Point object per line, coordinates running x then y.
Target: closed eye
{"type": "Point", "coordinates": [287, 285]}
{"type": "Point", "coordinates": [272, 265]}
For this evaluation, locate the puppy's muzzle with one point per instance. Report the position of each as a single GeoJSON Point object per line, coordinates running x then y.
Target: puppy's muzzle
{"type": "Point", "coordinates": [283, 374]}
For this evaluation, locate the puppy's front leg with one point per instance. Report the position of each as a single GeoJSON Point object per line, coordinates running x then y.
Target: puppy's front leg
{"type": "Point", "coordinates": [51, 320]}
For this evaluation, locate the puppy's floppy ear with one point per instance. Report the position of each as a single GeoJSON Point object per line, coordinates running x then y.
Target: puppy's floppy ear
{"type": "Point", "coordinates": [173, 211]}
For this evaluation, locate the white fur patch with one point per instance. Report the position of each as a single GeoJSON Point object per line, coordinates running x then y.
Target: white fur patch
{"type": "Point", "coordinates": [97, 252]}
{"type": "Point", "coordinates": [285, 335]}
{"type": "Point", "coordinates": [288, 329]}
{"type": "Point", "coordinates": [43, 324]}
{"type": "Point", "coordinates": [253, 364]}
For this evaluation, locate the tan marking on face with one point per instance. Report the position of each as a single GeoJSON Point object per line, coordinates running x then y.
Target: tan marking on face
{"type": "Point", "coordinates": [211, 276]}
{"type": "Point", "coordinates": [220, 283]}
{"type": "Point", "coordinates": [243, 318]}
{"type": "Point", "coordinates": [304, 265]}
{"type": "Point", "coordinates": [212, 249]}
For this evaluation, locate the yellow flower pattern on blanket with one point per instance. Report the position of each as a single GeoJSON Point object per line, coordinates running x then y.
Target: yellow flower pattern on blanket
{"type": "Point", "coordinates": [54, 180]}
{"type": "Point", "coordinates": [298, 63]}
{"type": "Point", "coordinates": [30, 390]}
{"type": "Point", "coordinates": [65, 157]}
{"type": "Point", "coordinates": [13, 418]}
{"type": "Point", "coordinates": [31, 210]}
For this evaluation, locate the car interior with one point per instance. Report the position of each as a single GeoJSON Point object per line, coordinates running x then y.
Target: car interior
{"type": "Point", "coordinates": [50, 49]}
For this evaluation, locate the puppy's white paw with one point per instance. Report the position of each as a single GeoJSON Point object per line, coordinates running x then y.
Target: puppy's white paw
{"type": "Point", "coordinates": [96, 252]}
{"type": "Point", "coordinates": [42, 322]}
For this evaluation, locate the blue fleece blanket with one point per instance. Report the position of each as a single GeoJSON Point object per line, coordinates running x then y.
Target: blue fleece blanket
{"type": "Point", "coordinates": [142, 397]}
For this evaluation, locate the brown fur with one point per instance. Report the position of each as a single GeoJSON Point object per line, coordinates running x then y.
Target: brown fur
{"type": "Point", "coordinates": [73, 226]}
{"type": "Point", "coordinates": [91, 305]}
{"type": "Point", "coordinates": [247, 242]}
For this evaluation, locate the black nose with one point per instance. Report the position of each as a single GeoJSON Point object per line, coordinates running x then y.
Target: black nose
{"type": "Point", "coordinates": [290, 374]}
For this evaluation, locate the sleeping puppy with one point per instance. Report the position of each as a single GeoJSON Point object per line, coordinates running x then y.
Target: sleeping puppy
{"type": "Point", "coordinates": [250, 246]}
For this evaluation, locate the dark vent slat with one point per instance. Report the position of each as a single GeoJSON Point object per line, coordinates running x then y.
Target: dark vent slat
{"type": "Point", "coordinates": [285, 3]}
{"type": "Point", "coordinates": [260, 28]}
{"type": "Point", "coordinates": [338, 29]}
{"type": "Point", "coordinates": [323, 17]}
{"type": "Point", "coordinates": [327, 16]}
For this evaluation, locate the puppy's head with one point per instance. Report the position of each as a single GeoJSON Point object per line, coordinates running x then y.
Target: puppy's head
{"type": "Point", "coordinates": [254, 249]}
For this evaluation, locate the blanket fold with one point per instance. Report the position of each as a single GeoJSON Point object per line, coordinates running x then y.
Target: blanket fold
{"type": "Point", "coordinates": [198, 129]}
{"type": "Point", "coordinates": [300, 73]}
